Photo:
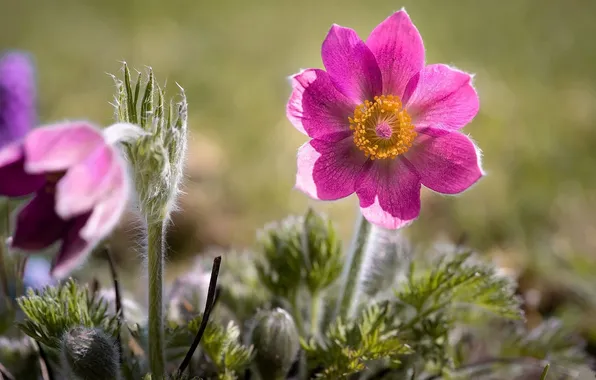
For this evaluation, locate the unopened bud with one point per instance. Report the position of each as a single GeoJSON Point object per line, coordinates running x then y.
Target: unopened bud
{"type": "Point", "coordinates": [277, 342]}
{"type": "Point", "coordinates": [89, 354]}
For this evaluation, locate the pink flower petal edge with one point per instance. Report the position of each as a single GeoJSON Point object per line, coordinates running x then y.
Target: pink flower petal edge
{"type": "Point", "coordinates": [351, 65]}
{"type": "Point", "coordinates": [328, 171]}
{"type": "Point", "coordinates": [316, 108]}
{"type": "Point", "coordinates": [397, 37]}
{"type": "Point", "coordinates": [442, 97]}
{"type": "Point", "coordinates": [88, 182]}
{"type": "Point", "coordinates": [57, 147]}
{"type": "Point", "coordinates": [448, 163]}
{"type": "Point", "coordinates": [389, 193]}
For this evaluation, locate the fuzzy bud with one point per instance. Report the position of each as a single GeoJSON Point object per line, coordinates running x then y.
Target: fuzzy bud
{"type": "Point", "coordinates": [157, 155]}
{"type": "Point", "coordinates": [89, 354]}
{"type": "Point", "coordinates": [299, 249]}
{"type": "Point", "coordinates": [276, 341]}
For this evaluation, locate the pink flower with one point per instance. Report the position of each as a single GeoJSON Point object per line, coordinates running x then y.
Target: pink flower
{"type": "Point", "coordinates": [382, 123]}
{"type": "Point", "coordinates": [80, 185]}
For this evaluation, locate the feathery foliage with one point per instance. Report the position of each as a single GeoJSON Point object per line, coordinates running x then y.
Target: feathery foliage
{"type": "Point", "coordinates": [56, 309]}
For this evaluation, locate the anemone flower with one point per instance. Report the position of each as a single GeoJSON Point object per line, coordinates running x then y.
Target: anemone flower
{"type": "Point", "coordinates": [80, 184]}
{"type": "Point", "coordinates": [382, 123]}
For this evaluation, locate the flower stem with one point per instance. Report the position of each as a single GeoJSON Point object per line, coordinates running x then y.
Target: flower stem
{"type": "Point", "coordinates": [156, 251]}
{"type": "Point", "coordinates": [353, 268]}
{"type": "Point", "coordinates": [297, 313]}
{"type": "Point", "coordinates": [314, 314]}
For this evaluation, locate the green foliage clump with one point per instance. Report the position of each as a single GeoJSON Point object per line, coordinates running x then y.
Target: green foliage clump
{"type": "Point", "coordinates": [419, 315]}
{"type": "Point", "coordinates": [53, 310]}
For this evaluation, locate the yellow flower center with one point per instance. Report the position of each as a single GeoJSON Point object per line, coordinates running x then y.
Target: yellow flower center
{"type": "Point", "coordinates": [382, 128]}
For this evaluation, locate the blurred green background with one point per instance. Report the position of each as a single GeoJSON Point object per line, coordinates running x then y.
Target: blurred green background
{"type": "Point", "coordinates": [535, 65]}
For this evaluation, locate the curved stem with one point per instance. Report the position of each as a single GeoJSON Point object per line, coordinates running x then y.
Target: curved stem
{"type": "Point", "coordinates": [155, 255]}
{"type": "Point", "coordinates": [353, 268]}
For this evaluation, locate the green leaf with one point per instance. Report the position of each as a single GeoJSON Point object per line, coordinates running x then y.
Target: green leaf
{"type": "Point", "coordinates": [349, 345]}
{"type": "Point", "coordinates": [51, 311]}
{"type": "Point", "coordinates": [458, 282]}
{"type": "Point", "coordinates": [223, 347]}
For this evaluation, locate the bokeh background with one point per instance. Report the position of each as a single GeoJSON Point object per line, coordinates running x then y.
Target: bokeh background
{"type": "Point", "coordinates": [535, 65]}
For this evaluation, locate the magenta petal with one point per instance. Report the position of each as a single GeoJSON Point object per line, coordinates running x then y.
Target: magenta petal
{"type": "Point", "coordinates": [351, 65]}
{"type": "Point", "coordinates": [398, 48]}
{"type": "Point", "coordinates": [441, 97]}
{"type": "Point", "coordinates": [107, 212]}
{"type": "Point", "coordinates": [328, 171]}
{"type": "Point", "coordinates": [317, 108]}
{"type": "Point", "coordinates": [14, 181]}
{"type": "Point", "coordinates": [389, 193]}
{"type": "Point", "coordinates": [37, 225]}
{"type": "Point", "coordinates": [86, 183]}
{"type": "Point", "coordinates": [448, 163]}
{"type": "Point", "coordinates": [57, 147]}
{"type": "Point", "coordinates": [74, 248]}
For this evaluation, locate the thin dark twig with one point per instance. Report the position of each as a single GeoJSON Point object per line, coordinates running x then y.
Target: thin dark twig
{"type": "Point", "coordinates": [5, 374]}
{"type": "Point", "coordinates": [94, 285]}
{"type": "Point", "coordinates": [119, 312]}
{"type": "Point", "coordinates": [208, 307]}
{"type": "Point", "coordinates": [46, 372]}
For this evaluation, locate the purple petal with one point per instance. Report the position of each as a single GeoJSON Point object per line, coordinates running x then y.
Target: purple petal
{"type": "Point", "coordinates": [108, 212]}
{"type": "Point", "coordinates": [87, 182]}
{"type": "Point", "coordinates": [327, 170]}
{"type": "Point", "coordinates": [351, 65]}
{"type": "Point", "coordinates": [17, 97]}
{"type": "Point", "coordinates": [441, 97]}
{"type": "Point", "coordinates": [398, 48]}
{"type": "Point", "coordinates": [14, 181]}
{"type": "Point", "coordinates": [37, 225]}
{"type": "Point", "coordinates": [57, 147]}
{"type": "Point", "coordinates": [317, 109]}
{"type": "Point", "coordinates": [389, 193]}
{"type": "Point", "coordinates": [448, 163]}
{"type": "Point", "coordinates": [74, 248]}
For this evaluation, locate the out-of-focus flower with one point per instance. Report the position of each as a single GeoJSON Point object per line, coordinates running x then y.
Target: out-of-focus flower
{"type": "Point", "coordinates": [382, 123]}
{"type": "Point", "coordinates": [81, 188]}
{"type": "Point", "coordinates": [37, 273]}
{"type": "Point", "coordinates": [17, 97]}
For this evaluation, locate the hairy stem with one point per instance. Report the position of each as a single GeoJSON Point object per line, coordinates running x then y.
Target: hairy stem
{"type": "Point", "coordinates": [314, 313]}
{"type": "Point", "coordinates": [156, 251]}
{"type": "Point", "coordinates": [353, 268]}
{"type": "Point", "coordinates": [297, 312]}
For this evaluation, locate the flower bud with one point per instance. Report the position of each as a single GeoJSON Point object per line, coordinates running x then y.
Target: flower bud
{"type": "Point", "coordinates": [276, 341]}
{"type": "Point", "coordinates": [158, 147]}
{"type": "Point", "coordinates": [89, 354]}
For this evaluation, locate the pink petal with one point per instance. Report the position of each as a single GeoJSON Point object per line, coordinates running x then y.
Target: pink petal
{"type": "Point", "coordinates": [448, 163]}
{"type": "Point", "coordinates": [316, 108]}
{"type": "Point", "coordinates": [398, 48]}
{"type": "Point", "coordinates": [57, 147]}
{"type": "Point", "coordinates": [351, 65]}
{"type": "Point", "coordinates": [107, 213]}
{"type": "Point", "coordinates": [74, 249]}
{"type": "Point", "coordinates": [14, 181]}
{"type": "Point", "coordinates": [389, 193]}
{"type": "Point", "coordinates": [327, 170]}
{"type": "Point", "coordinates": [87, 182]}
{"type": "Point", "coordinates": [441, 97]}
{"type": "Point", "coordinates": [37, 225]}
